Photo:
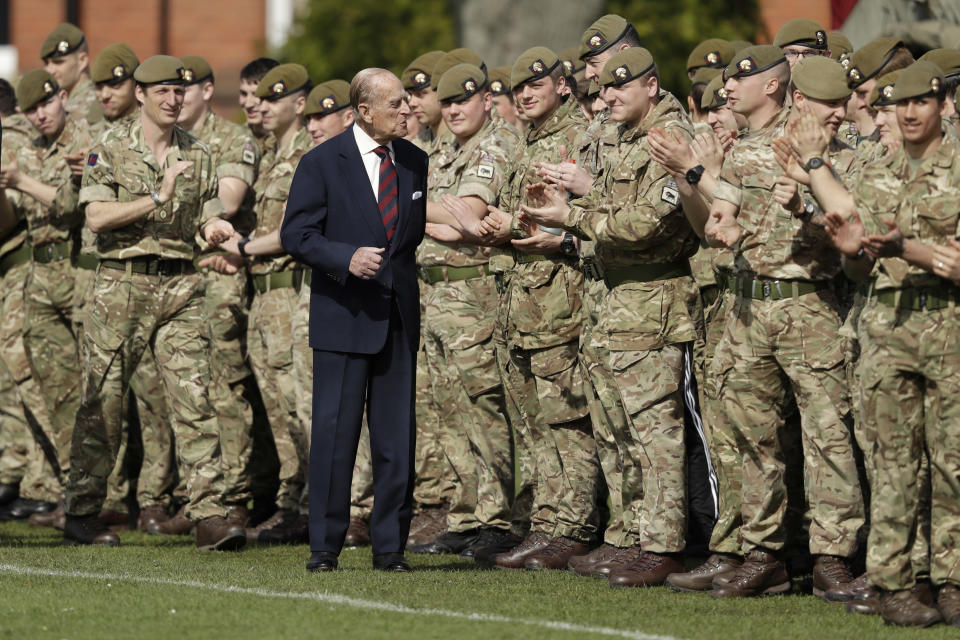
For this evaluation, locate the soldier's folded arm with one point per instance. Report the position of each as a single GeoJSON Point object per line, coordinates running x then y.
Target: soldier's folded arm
{"type": "Point", "coordinates": [104, 214]}
{"type": "Point", "coordinates": [8, 218]}
{"type": "Point", "coordinates": [232, 191]}
{"type": "Point", "coordinates": [638, 223]}
{"type": "Point", "coordinates": [303, 230]}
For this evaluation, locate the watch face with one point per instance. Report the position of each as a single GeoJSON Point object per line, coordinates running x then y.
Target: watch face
{"type": "Point", "coordinates": [693, 175]}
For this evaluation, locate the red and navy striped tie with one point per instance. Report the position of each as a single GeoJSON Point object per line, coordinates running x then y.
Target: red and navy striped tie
{"type": "Point", "coordinates": [387, 198]}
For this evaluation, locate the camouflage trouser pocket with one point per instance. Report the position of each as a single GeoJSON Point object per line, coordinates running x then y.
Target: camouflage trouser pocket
{"type": "Point", "coordinates": [477, 367]}
{"type": "Point", "coordinates": [559, 383]}
{"type": "Point", "coordinates": [646, 377]}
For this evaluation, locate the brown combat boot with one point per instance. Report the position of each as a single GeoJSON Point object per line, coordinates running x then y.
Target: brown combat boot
{"type": "Point", "coordinates": [115, 520]}
{"type": "Point", "coordinates": [514, 559]}
{"type": "Point", "coordinates": [51, 519]}
{"type": "Point", "coordinates": [555, 555]}
{"type": "Point", "coordinates": [620, 559]}
{"type": "Point", "coordinates": [948, 602]}
{"type": "Point", "coordinates": [290, 528]}
{"type": "Point", "coordinates": [358, 533]}
{"type": "Point", "coordinates": [648, 570]}
{"type": "Point", "coordinates": [427, 526]}
{"type": "Point", "coordinates": [88, 530]}
{"type": "Point", "coordinates": [216, 534]}
{"type": "Point", "coordinates": [760, 574]}
{"type": "Point", "coordinates": [905, 608]}
{"type": "Point", "coordinates": [238, 515]}
{"type": "Point", "coordinates": [151, 518]}
{"type": "Point", "coordinates": [276, 519]}
{"type": "Point", "coordinates": [178, 525]}
{"type": "Point", "coordinates": [701, 578]}
{"type": "Point", "coordinates": [583, 565]}
{"type": "Point", "coordinates": [831, 574]}
{"type": "Point", "coordinates": [867, 601]}
{"type": "Point", "coordinates": [859, 589]}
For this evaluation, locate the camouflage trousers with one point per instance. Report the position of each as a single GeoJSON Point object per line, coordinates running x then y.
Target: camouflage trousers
{"type": "Point", "coordinates": [458, 325]}
{"type": "Point", "coordinates": [136, 317]}
{"type": "Point", "coordinates": [361, 487]}
{"type": "Point", "coordinates": [720, 436]}
{"type": "Point", "coordinates": [435, 482]}
{"type": "Point", "coordinates": [39, 481]}
{"type": "Point", "coordinates": [910, 395]}
{"type": "Point", "coordinates": [15, 438]}
{"type": "Point", "coordinates": [270, 345]}
{"type": "Point", "coordinates": [225, 304]}
{"type": "Point", "coordinates": [766, 348]}
{"type": "Point", "coordinates": [548, 410]}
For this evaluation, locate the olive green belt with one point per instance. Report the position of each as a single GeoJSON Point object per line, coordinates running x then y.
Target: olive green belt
{"type": "Point", "coordinates": [616, 276]}
{"type": "Point", "coordinates": [87, 261]}
{"type": "Point", "coordinates": [762, 289]}
{"type": "Point", "coordinates": [526, 258]}
{"type": "Point", "coordinates": [53, 252]}
{"type": "Point", "coordinates": [150, 266]}
{"type": "Point", "coordinates": [930, 298]}
{"type": "Point", "coordinates": [443, 273]}
{"type": "Point", "coordinates": [265, 282]}
{"type": "Point", "coordinates": [15, 259]}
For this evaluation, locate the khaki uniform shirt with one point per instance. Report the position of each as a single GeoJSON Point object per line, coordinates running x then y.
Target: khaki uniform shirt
{"type": "Point", "coordinates": [235, 154]}
{"type": "Point", "coordinates": [17, 133]}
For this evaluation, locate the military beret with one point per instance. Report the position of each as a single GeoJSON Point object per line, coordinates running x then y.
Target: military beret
{"type": "Point", "coordinates": [571, 60]}
{"type": "Point", "coordinates": [196, 70]}
{"type": "Point", "coordinates": [283, 80]}
{"type": "Point", "coordinates": [714, 95]}
{"type": "Point", "coordinates": [753, 60]}
{"type": "Point", "coordinates": [594, 90]}
{"type": "Point", "coordinates": [947, 59]}
{"type": "Point", "coordinates": [116, 63]}
{"type": "Point", "coordinates": [921, 79]}
{"type": "Point", "coordinates": [602, 34]}
{"type": "Point", "coordinates": [328, 97]}
{"type": "Point", "coordinates": [625, 65]}
{"type": "Point", "coordinates": [802, 31]}
{"type": "Point", "coordinates": [533, 64]}
{"type": "Point", "coordinates": [416, 76]}
{"type": "Point", "coordinates": [839, 45]}
{"type": "Point", "coordinates": [867, 61]}
{"type": "Point", "coordinates": [500, 81]}
{"type": "Point", "coordinates": [714, 53]}
{"type": "Point", "coordinates": [882, 93]}
{"type": "Point", "coordinates": [739, 45]}
{"type": "Point", "coordinates": [460, 83]}
{"type": "Point", "coordinates": [704, 75]}
{"type": "Point", "coordinates": [63, 40]}
{"type": "Point", "coordinates": [452, 59]}
{"type": "Point", "coordinates": [821, 78]}
{"type": "Point", "coordinates": [35, 87]}
{"type": "Point", "coordinates": [160, 70]}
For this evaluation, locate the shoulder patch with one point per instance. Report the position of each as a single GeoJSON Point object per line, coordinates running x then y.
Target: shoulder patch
{"type": "Point", "coordinates": [249, 154]}
{"type": "Point", "coordinates": [485, 171]}
{"type": "Point", "coordinates": [669, 194]}
{"type": "Point", "coordinates": [92, 159]}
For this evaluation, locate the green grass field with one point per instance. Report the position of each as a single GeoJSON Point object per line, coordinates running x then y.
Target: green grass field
{"type": "Point", "coordinates": [164, 588]}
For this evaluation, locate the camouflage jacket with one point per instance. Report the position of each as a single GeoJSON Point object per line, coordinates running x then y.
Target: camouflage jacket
{"type": "Point", "coordinates": [543, 304]}
{"type": "Point", "coordinates": [272, 188]}
{"type": "Point", "coordinates": [83, 106]}
{"type": "Point", "coordinates": [17, 133]}
{"type": "Point", "coordinates": [924, 202]}
{"type": "Point", "coordinates": [775, 243]}
{"type": "Point", "coordinates": [478, 169]}
{"type": "Point", "coordinates": [121, 168]}
{"type": "Point", "coordinates": [44, 160]}
{"type": "Point", "coordinates": [235, 155]}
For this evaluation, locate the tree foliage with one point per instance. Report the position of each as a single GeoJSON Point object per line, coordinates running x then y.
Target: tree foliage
{"type": "Point", "coordinates": [337, 38]}
{"type": "Point", "coordinates": [670, 29]}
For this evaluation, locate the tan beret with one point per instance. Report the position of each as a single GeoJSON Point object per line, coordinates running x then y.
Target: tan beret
{"type": "Point", "coordinates": [533, 64]}
{"type": "Point", "coordinates": [919, 80]}
{"type": "Point", "coordinates": [460, 83]}
{"type": "Point", "coordinates": [867, 61]}
{"type": "Point", "coordinates": [625, 66]}
{"type": "Point", "coordinates": [602, 34]}
{"type": "Point", "coordinates": [714, 95]}
{"type": "Point", "coordinates": [452, 59]}
{"type": "Point", "coordinates": [328, 97]}
{"type": "Point", "coordinates": [821, 78]}
{"type": "Point", "coordinates": [500, 81]}
{"type": "Point", "coordinates": [416, 77]}
{"type": "Point", "coordinates": [283, 80]}
{"type": "Point", "coordinates": [882, 93]}
{"type": "Point", "coordinates": [116, 63]}
{"type": "Point", "coordinates": [160, 70]}
{"type": "Point", "coordinates": [63, 40]}
{"type": "Point", "coordinates": [715, 53]}
{"type": "Point", "coordinates": [35, 87]}
{"type": "Point", "coordinates": [754, 60]}
{"type": "Point", "coordinates": [196, 70]}
{"type": "Point", "coordinates": [802, 31]}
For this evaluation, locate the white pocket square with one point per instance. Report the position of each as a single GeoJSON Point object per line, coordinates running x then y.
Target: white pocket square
{"type": "Point", "coordinates": [417, 195]}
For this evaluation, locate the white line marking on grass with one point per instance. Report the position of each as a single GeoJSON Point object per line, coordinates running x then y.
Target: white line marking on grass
{"type": "Point", "coordinates": [337, 600]}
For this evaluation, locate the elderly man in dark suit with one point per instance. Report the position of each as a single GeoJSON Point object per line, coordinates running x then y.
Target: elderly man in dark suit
{"type": "Point", "coordinates": [356, 214]}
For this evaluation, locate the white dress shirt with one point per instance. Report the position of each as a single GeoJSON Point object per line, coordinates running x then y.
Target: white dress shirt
{"type": "Point", "coordinates": [371, 161]}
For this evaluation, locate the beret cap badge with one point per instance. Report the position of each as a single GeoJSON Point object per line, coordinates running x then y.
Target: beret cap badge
{"type": "Point", "coordinates": [713, 57]}
{"type": "Point", "coordinates": [537, 66]}
{"type": "Point", "coordinates": [118, 71]}
{"type": "Point", "coordinates": [887, 92]}
{"type": "Point", "coordinates": [746, 65]}
{"type": "Point", "coordinates": [420, 78]}
{"type": "Point", "coordinates": [821, 38]}
{"type": "Point", "coordinates": [47, 88]}
{"type": "Point", "coordinates": [496, 86]}
{"type": "Point", "coordinates": [596, 41]}
{"type": "Point", "coordinates": [722, 93]}
{"type": "Point", "coordinates": [329, 103]}
{"type": "Point", "coordinates": [278, 87]}
{"type": "Point", "coordinates": [187, 75]}
{"type": "Point", "coordinates": [854, 74]}
{"type": "Point", "coordinates": [621, 73]}
{"type": "Point", "coordinates": [63, 46]}
{"type": "Point", "coordinates": [470, 86]}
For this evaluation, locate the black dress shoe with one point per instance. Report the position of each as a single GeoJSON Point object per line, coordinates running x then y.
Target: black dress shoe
{"type": "Point", "coordinates": [391, 562]}
{"type": "Point", "coordinates": [322, 561]}
{"type": "Point", "coordinates": [450, 542]}
{"type": "Point", "coordinates": [8, 492]}
{"type": "Point", "coordinates": [23, 508]}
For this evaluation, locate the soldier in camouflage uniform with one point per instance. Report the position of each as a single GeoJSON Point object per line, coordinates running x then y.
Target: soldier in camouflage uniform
{"type": "Point", "coordinates": [863, 68]}
{"type": "Point", "coordinates": [66, 56]}
{"type": "Point", "coordinates": [147, 192]}
{"type": "Point", "coordinates": [276, 280]}
{"type": "Point", "coordinates": [47, 175]}
{"type": "Point", "coordinates": [783, 327]}
{"type": "Point", "coordinates": [641, 243]}
{"type": "Point", "coordinates": [459, 317]}
{"type": "Point", "coordinates": [537, 330]}
{"type": "Point", "coordinates": [236, 158]}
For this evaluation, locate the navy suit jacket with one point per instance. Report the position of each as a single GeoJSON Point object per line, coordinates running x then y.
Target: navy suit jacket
{"type": "Point", "coordinates": [331, 211]}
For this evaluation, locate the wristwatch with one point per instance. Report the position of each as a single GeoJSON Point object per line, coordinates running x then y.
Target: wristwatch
{"type": "Point", "coordinates": [568, 245]}
{"type": "Point", "coordinates": [814, 163]}
{"type": "Point", "coordinates": [808, 207]}
{"type": "Point", "coordinates": [242, 247]}
{"type": "Point", "coordinates": [155, 196]}
{"type": "Point", "coordinates": [693, 175]}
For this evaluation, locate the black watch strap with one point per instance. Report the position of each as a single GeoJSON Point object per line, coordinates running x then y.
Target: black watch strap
{"type": "Point", "coordinates": [814, 163]}
{"type": "Point", "coordinates": [242, 247]}
{"type": "Point", "coordinates": [693, 175]}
